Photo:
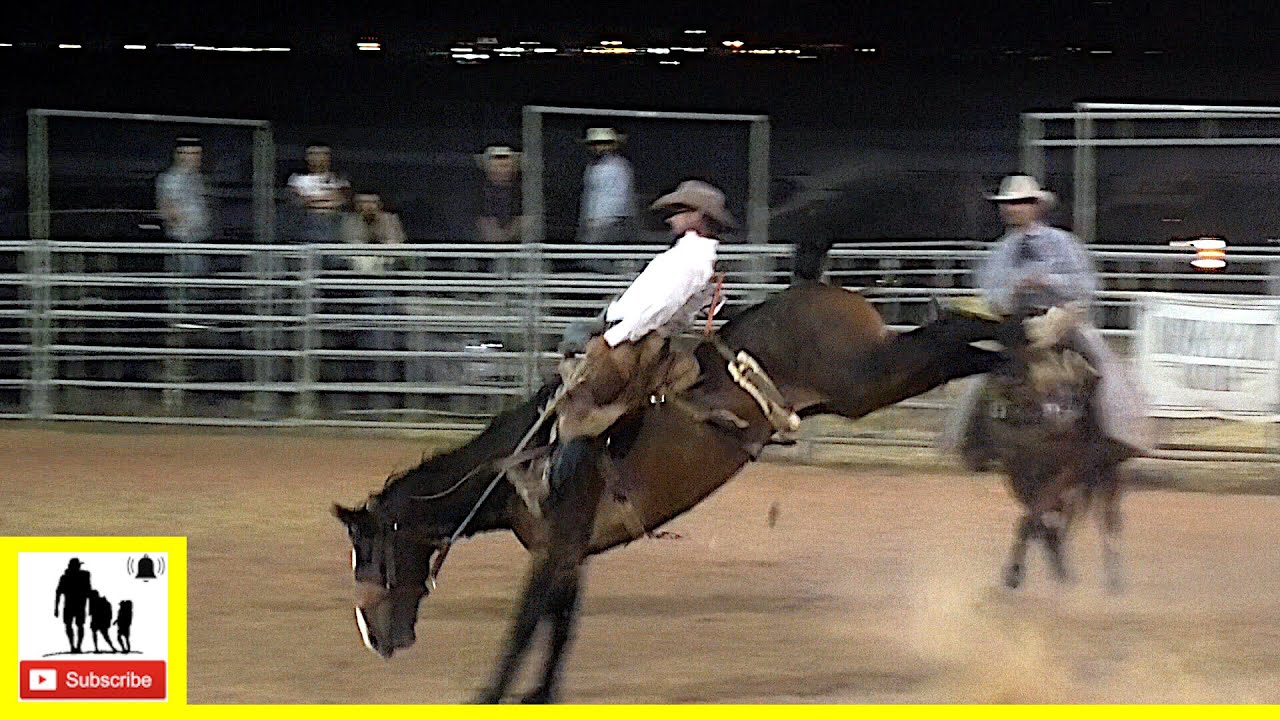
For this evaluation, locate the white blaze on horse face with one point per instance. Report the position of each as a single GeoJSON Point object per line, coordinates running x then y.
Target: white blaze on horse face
{"type": "Point", "coordinates": [364, 631]}
{"type": "Point", "coordinates": [353, 559]}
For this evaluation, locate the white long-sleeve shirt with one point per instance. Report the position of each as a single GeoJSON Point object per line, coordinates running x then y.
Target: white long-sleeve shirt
{"type": "Point", "coordinates": [665, 294]}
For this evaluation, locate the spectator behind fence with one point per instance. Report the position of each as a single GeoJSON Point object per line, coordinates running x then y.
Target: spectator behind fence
{"type": "Point", "coordinates": [320, 194]}
{"type": "Point", "coordinates": [182, 199]}
{"type": "Point", "coordinates": [500, 220]}
{"type": "Point", "coordinates": [608, 191]}
{"type": "Point", "coordinates": [370, 224]}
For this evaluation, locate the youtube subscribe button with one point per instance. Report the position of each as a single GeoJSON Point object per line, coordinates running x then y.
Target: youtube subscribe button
{"type": "Point", "coordinates": [92, 680]}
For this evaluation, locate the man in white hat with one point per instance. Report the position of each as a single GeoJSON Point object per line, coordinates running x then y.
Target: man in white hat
{"type": "Point", "coordinates": [623, 365]}
{"type": "Point", "coordinates": [608, 191]}
{"type": "Point", "coordinates": [1034, 267]}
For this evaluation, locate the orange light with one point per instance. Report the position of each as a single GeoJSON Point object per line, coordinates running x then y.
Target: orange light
{"type": "Point", "coordinates": [1211, 254]}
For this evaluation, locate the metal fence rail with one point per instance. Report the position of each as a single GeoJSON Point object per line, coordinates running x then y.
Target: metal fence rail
{"type": "Point", "coordinates": [435, 336]}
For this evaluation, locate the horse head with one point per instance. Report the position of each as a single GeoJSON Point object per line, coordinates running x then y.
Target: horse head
{"type": "Point", "coordinates": [392, 565]}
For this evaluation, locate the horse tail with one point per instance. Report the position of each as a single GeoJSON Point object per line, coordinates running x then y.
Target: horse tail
{"type": "Point", "coordinates": [810, 260]}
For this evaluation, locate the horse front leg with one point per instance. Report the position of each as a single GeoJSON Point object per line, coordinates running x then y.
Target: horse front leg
{"type": "Point", "coordinates": [1109, 522]}
{"type": "Point", "coordinates": [564, 618]}
{"type": "Point", "coordinates": [554, 581]}
{"type": "Point", "coordinates": [1051, 526]}
{"type": "Point", "coordinates": [1016, 568]}
{"type": "Point", "coordinates": [532, 607]}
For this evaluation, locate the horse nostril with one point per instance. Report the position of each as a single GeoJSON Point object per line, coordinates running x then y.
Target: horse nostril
{"type": "Point", "coordinates": [368, 595]}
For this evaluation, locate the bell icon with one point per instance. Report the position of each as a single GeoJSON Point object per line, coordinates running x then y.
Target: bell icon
{"type": "Point", "coordinates": [146, 569]}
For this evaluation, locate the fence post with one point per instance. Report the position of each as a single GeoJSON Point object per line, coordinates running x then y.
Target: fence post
{"type": "Point", "coordinates": [305, 375]}
{"type": "Point", "coordinates": [40, 265]}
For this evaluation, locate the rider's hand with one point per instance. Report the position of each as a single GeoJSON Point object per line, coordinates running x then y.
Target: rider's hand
{"type": "Point", "coordinates": [1034, 282]}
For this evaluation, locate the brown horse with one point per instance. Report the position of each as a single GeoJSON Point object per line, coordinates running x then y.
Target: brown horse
{"type": "Point", "coordinates": [1044, 432]}
{"type": "Point", "coordinates": [827, 350]}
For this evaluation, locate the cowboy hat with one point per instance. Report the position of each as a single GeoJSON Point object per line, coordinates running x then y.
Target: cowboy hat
{"type": "Point", "coordinates": [1021, 187]}
{"type": "Point", "coordinates": [603, 135]}
{"type": "Point", "coordinates": [496, 151]}
{"type": "Point", "coordinates": [700, 196]}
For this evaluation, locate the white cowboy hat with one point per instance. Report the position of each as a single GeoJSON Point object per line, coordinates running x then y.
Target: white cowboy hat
{"type": "Point", "coordinates": [1022, 187]}
{"type": "Point", "coordinates": [496, 151]}
{"type": "Point", "coordinates": [603, 135]}
{"type": "Point", "coordinates": [700, 196]}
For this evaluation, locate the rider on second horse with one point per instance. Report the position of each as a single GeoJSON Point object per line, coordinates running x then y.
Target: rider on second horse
{"type": "Point", "coordinates": [1034, 267]}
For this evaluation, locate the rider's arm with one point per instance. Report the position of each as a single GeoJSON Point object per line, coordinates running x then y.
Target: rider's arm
{"type": "Point", "coordinates": [997, 277]}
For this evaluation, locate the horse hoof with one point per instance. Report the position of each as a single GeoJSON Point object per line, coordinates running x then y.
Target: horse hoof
{"type": "Point", "coordinates": [537, 697]}
{"type": "Point", "coordinates": [1013, 577]}
{"type": "Point", "coordinates": [488, 697]}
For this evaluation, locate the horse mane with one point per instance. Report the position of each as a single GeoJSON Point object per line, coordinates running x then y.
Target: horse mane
{"type": "Point", "coordinates": [436, 472]}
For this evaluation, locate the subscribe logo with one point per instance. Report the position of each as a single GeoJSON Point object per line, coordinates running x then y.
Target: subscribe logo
{"type": "Point", "coordinates": [92, 626]}
{"type": "Point", "coordinates": [92, 680]}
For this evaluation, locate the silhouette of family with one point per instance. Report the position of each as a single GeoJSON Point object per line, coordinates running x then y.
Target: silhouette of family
{"type": "Point", "coordinates": [82, 599]}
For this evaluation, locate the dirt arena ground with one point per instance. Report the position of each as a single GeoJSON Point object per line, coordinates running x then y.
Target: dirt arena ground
{"type": "Point", "coordinates": [873, 585]}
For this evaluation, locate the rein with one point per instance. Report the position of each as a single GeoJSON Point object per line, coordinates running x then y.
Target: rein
{"type": "Point", "coordinates": [517, 456]}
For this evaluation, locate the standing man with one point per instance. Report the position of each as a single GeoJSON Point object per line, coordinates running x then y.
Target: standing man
{"type": "Point", "coordinates": [74, 586]}
{"type": "Point", "coordinates": [321, 194]}
{"type": "Point", "coordinates": [1034, 267]}
{"type": "Point", "coordinates": [182, 198]}
{"type": "Point", "coordinates": [371, 225]}
{"type": "Point", "coordinates": [608, 192]}
{"type": "Point", "coordinates": [500, 220]}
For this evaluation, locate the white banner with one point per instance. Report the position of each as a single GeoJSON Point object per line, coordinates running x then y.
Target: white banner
{"type": "Point", "coordinates": [1211, 357]}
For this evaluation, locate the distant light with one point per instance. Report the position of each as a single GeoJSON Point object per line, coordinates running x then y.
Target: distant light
{"type": "Point", "coordinates": [690, 49]}
{"type": "Point", "coordinates": [135, 47]}
{"type": "Point", "coordinates": [610, 42]}
{"type": "Point", "coordinates": [204, 47]}
{"type": "Point", "coordinates": [511, 49]}
{"type": "Point", "coordinates": [695, 32]}
{"type": "Point", "coordinates": [487, 41]}
{"type": "Point", "coordinates": [806, 57]}
{"type": "Point", "coordinates": [278, 49]}
{"type": "Point", "coordinates": [1208, 263]}
{"type": "Point", "coordinates": [1099, 52]}
{"type": "Point", "coordinates": [472, 56]}
{"type": "Point", "coordinates": [6, 44]}
{"type": "Point", "coordinates": [369, 46]}
{"type": "Point", "coordinates": [508, 54]}
{"type": "Point", "coordinates": [668, 62]}
{"type": "Point", "coordinates": [732, 43]}
{"type": "Point", "coordinates": [660, 51]}
{"type": "Point", "coordinates": [545, 50]}
{"type": "Point", "coordinates": [530, 42]}
{"type": "Point", "coordinates": [69, 46]}
{"type": "Point", "coordinates": [460, 49]}
{"type": "Point", "coordinates": [238, 49]}
{"type": "Point", "coordinates": [766, 51]}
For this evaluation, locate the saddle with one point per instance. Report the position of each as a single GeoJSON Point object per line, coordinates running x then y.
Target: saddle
{"type": "Point", "coordinates": [605, 384]}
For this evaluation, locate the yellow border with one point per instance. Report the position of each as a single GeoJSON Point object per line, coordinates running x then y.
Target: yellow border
{"type": "Point", "coordinates": [176, 705]}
